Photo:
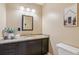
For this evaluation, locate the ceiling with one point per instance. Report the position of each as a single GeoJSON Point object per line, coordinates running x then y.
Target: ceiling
{"type": "Point", "coordinates": [41, 4]}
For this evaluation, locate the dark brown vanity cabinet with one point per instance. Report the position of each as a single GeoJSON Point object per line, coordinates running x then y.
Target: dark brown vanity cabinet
{"type": "Point", "coordinates": [30, 47]}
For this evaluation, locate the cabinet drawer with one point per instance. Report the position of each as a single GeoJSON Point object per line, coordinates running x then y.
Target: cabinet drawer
{"type": "Point", "coordinates": [35, 42]}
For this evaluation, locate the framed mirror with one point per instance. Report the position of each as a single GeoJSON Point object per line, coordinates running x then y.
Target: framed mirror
{"type": "Point", "coordinates": [27, 23]}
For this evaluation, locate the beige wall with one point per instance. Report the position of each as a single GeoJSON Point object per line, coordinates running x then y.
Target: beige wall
{"type": "Point", "coordinates": [14, 17]}
{"type": "Point", "coordinates": [2, 17]}
{"type": "Point", "coordinates": [53, 25]}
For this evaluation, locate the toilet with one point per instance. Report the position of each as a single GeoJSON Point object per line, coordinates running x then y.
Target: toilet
{"type": "Point", "coordinates": [64, 49]}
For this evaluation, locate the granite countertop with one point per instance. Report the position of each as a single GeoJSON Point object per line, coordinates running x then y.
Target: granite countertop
{"type": "Point", "coordinates": [23, 38]}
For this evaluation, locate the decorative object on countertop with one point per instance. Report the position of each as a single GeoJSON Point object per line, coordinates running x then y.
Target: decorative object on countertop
{"type": "Point", "coordinates": [9, 33]}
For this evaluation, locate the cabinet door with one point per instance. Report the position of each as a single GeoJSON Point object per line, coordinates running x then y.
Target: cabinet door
{"type": "Point", "coordinates": [45, 45]}
{"type": "Point", "coordinates": [34, 47]}
{"type": "Point", "coordinates": [22, 48]}
{"type": "Point", "coordinates": [8, 49]}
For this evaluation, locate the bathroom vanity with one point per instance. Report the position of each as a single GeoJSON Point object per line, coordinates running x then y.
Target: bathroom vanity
{"type": "Point", "coordinates": [25, 45]}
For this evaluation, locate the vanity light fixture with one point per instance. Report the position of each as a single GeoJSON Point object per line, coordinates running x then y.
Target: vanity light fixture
{"type": "Point", "coordinates": [28, 9]}
{"type": "Point", "coordinates": [22, 8]}
{"type": "Point", "coordinates": [33, 10]}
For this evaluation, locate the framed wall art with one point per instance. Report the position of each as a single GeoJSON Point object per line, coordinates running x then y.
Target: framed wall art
{"type": "Point", "coordinates": [70, 17]}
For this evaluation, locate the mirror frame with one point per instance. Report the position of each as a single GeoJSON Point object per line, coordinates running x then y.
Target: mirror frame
{"type": "Point", "coordinates": [23, 22]}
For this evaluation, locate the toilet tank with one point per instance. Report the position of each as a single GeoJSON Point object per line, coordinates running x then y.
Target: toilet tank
{"type": "Point", "coordinates": [64, 49]}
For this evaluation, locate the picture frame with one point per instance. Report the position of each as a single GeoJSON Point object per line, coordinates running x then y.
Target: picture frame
{"type": "Point", "coordinates": [70, 18]}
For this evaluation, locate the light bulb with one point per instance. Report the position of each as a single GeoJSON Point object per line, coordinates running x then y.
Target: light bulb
{"type": "Point", "coordinates": [28, 9]}
{"type": "Point", "coordinates": [33, 10]}
{"type": "Point", "coordinates": [22, 8]}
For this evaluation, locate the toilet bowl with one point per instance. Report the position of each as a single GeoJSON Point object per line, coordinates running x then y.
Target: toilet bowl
{"type": "Point", "coordinates": [64, 49]}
